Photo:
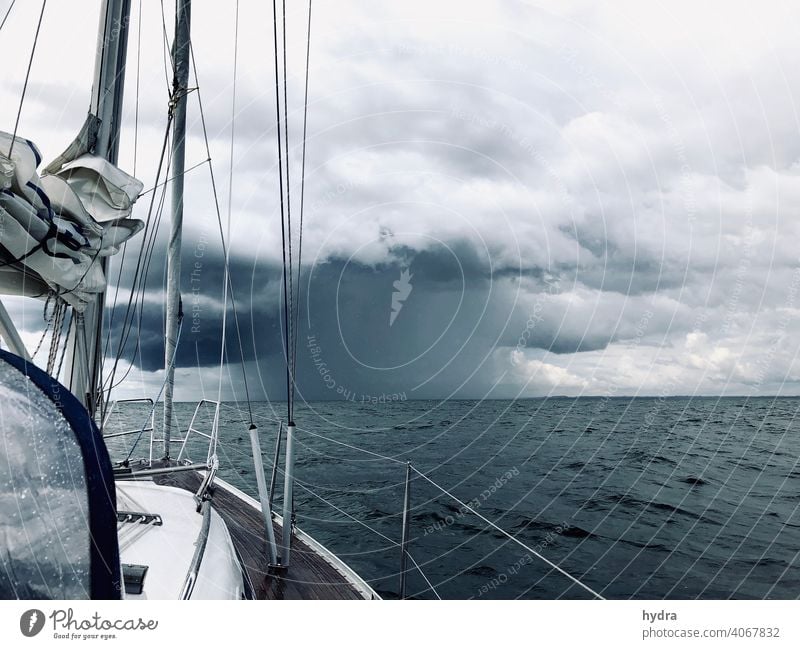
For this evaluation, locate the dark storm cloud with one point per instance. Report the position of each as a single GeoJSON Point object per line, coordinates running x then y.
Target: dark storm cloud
{"type": "Point", "coordinates": [255, 290]}
{"type": "Point", "coordinates": [584, 197]}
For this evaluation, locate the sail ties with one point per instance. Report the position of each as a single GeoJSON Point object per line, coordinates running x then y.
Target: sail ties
{"type": "Point", "coordinates": [59, 225]}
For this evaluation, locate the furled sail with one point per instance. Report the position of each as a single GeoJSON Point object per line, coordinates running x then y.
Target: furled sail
{"type": "Point", "coordinates": [60, 225]}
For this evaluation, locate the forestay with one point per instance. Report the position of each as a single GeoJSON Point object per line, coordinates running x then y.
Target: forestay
{"type": "Point", "coordinates": [62, 224]}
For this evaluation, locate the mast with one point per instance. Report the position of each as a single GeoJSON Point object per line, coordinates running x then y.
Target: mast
{"type": "Point", "coordinates": [181, 58]}
{"type": "Point", "coordinates": [105, 112]}
{"type": "Point", "coordinates": [112, 48]}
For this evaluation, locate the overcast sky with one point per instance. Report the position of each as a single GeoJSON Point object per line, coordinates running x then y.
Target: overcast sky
{"type": "Point", "coordinates": [589, 198]}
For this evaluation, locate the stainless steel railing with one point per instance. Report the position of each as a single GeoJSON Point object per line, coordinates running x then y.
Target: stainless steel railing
{"type": "Point", "coordinates": [199, 551]}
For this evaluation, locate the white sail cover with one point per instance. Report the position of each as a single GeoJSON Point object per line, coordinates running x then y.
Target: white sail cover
{"type": "Point", "coordinates": [61, 225]}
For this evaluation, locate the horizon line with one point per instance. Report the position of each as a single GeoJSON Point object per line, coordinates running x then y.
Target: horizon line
{"type": "Point", "coordinates": [541, 398]}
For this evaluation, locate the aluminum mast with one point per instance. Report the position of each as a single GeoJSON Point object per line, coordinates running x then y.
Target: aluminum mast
{"type": "Point", "coordinates": [181, 57]}
{"type": "Point", "coordinates": [102, 131]}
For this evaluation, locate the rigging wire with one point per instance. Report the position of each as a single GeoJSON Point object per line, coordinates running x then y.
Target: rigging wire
{"type": "Point", "coordinates": [140, 288]}
{"type": "Point", "coordinates": [291, 312]}
{"type": "Point", "coordinates": [48, 321]}
{"type": "Point", "coordinates": [290, 327]}
{"type": "Point", "coordinates": [228, 448]}
{"type": "Point", "coordinates": [460, 502]}
{"type": "Point", "coordinates": [66, 343]}
{"type": "Point", "coordinates": [171, 178]}
{"type": "Point", "coordinates": [289, 408]}
{"type": "Point", "coordinates": [160, 392]}
{"type": "Point", "coordinates": [424, 576]}
{"type": "Point", "coordinates": [146, 249]}
{"type": "Point", "coordinates": [41, 339]}
{"type": "Point", "coordinates": [139, 310]}
{"type": "Point", "coordinates": [348, 515]}
{"type": "Point", "coordinates": [167, 50]}
{"type": "Point", "coordinates": [225, 242]}
{"type": "Point", "coordinates": [334, 441]}
{"type": "Point", "coordinates": [227, 236]}
{"type": "Point", "coordinates": [121, 261]}
{"type": "Point", "coordinates": [10, 7]}
{"type": "Point", "coordinates": [233, 115]}
{"type": "Point", "coordinates": [355, 448]}
{"type": "Point", "coordinates": [58, 325]}
{"type": "Point", "coordinates": [138, 77]}
{"type": "Point", "coordinates": [27, 75]}
{"type": "Point", "coordinates": [374, 531]}
{"type": "Point", "coordinates": [302, 195]}
{"type": "Point", "coordinates": [135, 306]}
{"type": "Point", "coordinates": [139, 280]}
{"type": "Point", "coordinates": [508, 535]}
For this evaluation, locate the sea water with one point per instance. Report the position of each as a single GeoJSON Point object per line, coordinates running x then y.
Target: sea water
{"type": "Point", "coordinates": [636, 497]}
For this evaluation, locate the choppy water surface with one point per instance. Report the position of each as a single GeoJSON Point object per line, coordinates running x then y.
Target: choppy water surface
{"type": "Point", "coordinates": [639, 498]}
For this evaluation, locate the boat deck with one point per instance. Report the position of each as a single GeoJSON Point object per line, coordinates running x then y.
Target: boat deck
{"type": "Point", "coordinates": [310, 575]}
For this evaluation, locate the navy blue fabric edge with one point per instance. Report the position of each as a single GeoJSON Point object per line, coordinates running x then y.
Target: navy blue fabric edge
{"type": "Point", "coordinates": [105, 579]}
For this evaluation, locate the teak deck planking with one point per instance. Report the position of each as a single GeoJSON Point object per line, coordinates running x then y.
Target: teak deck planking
{"type": "Point", "coordinates": [309, 576]}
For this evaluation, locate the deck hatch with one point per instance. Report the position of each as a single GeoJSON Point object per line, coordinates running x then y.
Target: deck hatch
{"type": "Point", "coordinates": [133, 575]}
